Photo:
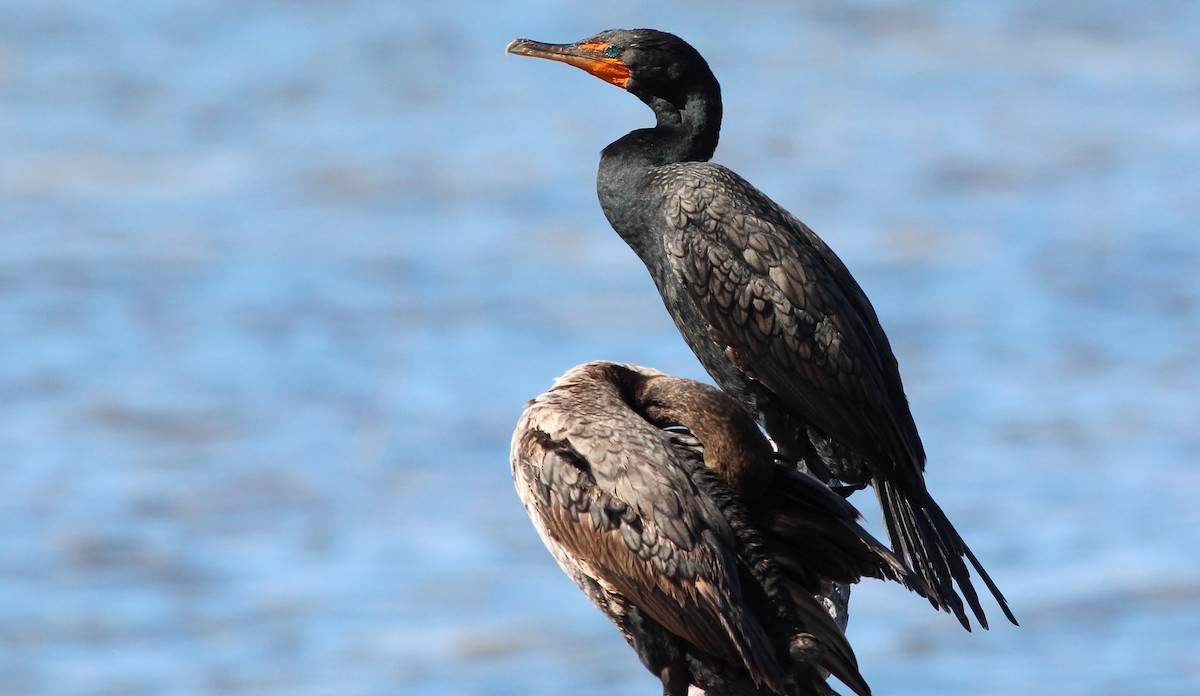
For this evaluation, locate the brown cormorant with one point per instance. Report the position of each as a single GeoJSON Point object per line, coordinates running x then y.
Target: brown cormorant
{"type": "Point", "coordinates": [661, 498]}
{"type": "Point", "coordinates": [771, 312]}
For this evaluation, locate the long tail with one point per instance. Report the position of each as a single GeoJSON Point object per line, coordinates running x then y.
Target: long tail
{"type": "Point", "coordinates": [924, 538]}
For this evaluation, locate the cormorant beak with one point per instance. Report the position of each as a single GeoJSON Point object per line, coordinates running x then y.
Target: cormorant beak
{"type": "Point", "coordinates": [591, 56]}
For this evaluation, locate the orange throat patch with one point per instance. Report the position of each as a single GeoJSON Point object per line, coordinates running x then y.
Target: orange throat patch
{"type": "Point", "coordinates": [611, 70]}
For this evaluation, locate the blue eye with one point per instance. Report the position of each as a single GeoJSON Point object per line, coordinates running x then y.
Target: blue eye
{"type": "Point", "coordinates": [612, 51]}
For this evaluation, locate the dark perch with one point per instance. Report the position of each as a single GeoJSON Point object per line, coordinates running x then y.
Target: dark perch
{"type": "Point", "coordinates": [663, 501]}
{"type": "Point", "coordinates": [769, 309]}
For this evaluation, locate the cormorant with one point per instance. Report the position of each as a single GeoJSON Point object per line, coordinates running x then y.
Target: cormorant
{"type": "Point", "coordinates": [771, 312]}
{"type": "Point", "coordinates": [661, 498]}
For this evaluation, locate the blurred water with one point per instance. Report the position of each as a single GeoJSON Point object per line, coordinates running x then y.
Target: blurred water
{"type": "Point", "coordinates": [276, 279]}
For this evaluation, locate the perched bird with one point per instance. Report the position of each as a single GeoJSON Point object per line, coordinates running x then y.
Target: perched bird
{"type": "Point", "coordinates": [771, 312]}
{"type": "Point", "coordinates": [661, 498]}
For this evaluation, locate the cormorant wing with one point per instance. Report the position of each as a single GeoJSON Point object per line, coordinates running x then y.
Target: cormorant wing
{"type": "Point", "coordinates": [615, 500]}
{"type": "Point", "coordinates": [788, 313]}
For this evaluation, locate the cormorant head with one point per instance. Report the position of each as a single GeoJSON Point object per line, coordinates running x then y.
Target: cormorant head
{"type": "Point", "coordinates": [650, 64]}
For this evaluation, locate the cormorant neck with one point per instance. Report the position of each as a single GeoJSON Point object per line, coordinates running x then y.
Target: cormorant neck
{"type": "Point", "coordinates": [687, 130]}
{"type": "Point", "coordinates": [733, 446]}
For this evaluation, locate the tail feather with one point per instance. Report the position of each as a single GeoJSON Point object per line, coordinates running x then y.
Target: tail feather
{"type": "Point", "coordinates": [939, 519]}
{"type": "Point", "coordinates": [923, 536]}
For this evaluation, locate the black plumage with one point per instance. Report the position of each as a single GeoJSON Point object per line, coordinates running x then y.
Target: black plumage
{"type": "Point", "coordinates": [663, 501]}
{"type": "Point", "coordinates": [771, 312]}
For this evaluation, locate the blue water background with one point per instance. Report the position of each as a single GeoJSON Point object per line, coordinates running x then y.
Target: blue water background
{"type": "Point", "coordinates": [276, 279]}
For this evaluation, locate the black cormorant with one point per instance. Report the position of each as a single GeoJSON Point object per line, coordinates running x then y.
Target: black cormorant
{"type": "Point", "coordinates": [771, 312]}
{"type": "Point", "coordinates": [661, 498]}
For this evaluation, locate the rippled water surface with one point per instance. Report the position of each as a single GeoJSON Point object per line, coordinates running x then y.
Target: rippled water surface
{"type": "Point", "coordinates": [276, 279]}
